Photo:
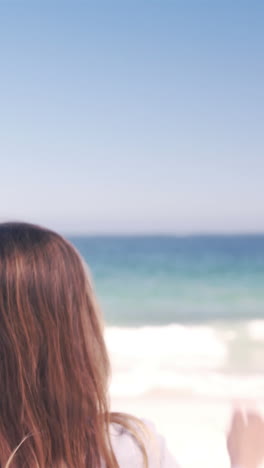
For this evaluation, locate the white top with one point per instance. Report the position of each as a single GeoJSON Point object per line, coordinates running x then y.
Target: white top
{"type": "Point", "coordinates": [128, 454]}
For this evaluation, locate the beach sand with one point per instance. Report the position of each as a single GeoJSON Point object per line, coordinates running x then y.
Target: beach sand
{"type": "Point", "coordinates": [194, 428]}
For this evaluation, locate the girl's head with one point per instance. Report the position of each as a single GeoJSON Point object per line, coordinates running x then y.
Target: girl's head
{"type": "Point", "coordinates": [53, 361]}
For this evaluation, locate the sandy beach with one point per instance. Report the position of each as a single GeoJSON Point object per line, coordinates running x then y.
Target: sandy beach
{"type": "Point", "coordinates": [189, 383]}
{"type": "Point", "coordinates": [194, 428]}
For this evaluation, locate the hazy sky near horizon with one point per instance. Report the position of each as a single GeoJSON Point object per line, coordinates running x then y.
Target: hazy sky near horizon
{"type": "Point", "coordinates": [133, 116]}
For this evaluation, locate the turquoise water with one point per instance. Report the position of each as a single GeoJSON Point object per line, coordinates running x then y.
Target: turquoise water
{"type": "Point", "coordinates": [164, 280]}
{"type": "Point", "coordinates": [183, 315]}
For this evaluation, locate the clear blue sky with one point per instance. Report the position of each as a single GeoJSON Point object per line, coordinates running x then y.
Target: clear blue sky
{"type": "Point", "coordinates": [133, 115]}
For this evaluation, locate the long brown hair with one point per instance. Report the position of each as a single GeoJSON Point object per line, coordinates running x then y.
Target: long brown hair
{"type": "Point", "coordinates": [54, 366]}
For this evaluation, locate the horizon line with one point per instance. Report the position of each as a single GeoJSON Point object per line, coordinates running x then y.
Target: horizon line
{"type": "Point", "coordinates": [164, 234]}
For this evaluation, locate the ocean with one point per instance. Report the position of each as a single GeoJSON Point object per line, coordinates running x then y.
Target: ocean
{"type": "Point", "coordinates": [184, 315]}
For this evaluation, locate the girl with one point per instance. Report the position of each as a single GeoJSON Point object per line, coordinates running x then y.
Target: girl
{"type": "Point", "coordinates": [54, 369]}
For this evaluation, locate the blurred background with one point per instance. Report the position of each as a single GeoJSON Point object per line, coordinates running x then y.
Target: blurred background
{"type": "Point", "coordinates": [135, 129]}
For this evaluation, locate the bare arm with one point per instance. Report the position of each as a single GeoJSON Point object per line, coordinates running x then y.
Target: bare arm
{"type": "Point", "coordinates": [245, 442]}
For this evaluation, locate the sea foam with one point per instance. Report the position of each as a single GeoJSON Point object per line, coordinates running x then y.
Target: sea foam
{"type": "Point", "coordinates": [208, 360]}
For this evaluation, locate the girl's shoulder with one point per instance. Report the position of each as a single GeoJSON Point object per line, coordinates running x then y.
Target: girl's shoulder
{"type": "Point", "coordinates": [128, 453]}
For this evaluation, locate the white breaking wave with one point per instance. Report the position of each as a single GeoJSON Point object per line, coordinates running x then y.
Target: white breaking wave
{"type": "Point", "coordinates": [184, 360]}
{"type": "Point", "coordinates": [256, 330]}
